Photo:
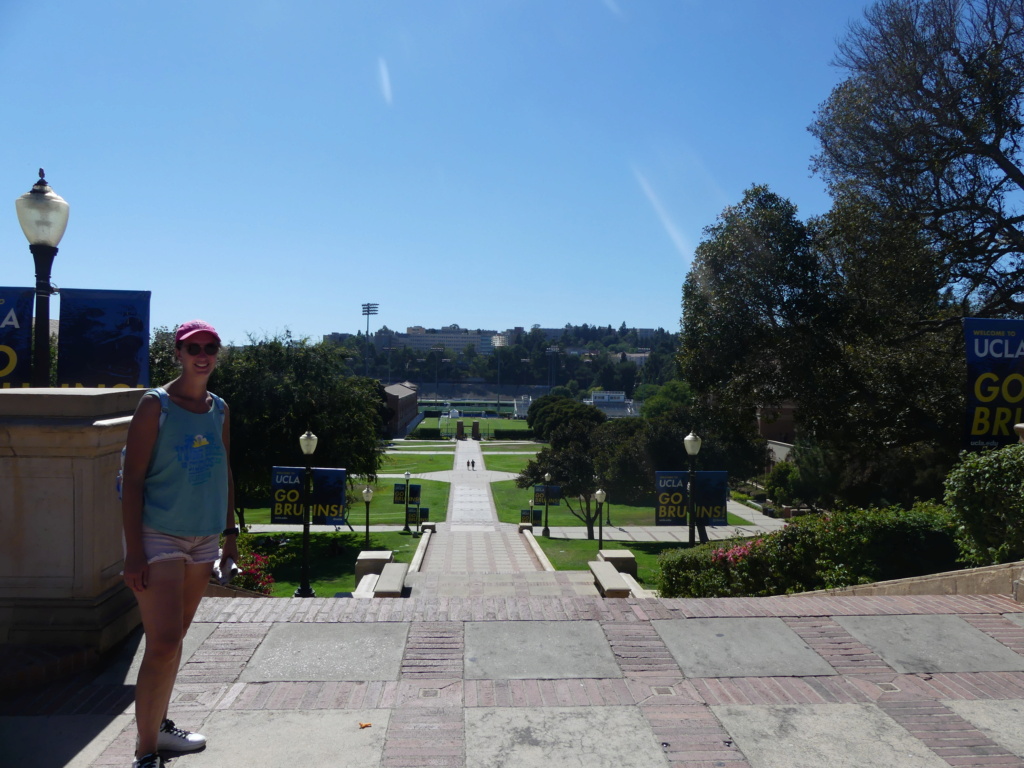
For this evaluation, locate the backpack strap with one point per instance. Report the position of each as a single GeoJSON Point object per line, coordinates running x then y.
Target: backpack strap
{"type": "Point", "coordinates": [164, 400]}
{"type": "Point", "coordinates": [221, 406]}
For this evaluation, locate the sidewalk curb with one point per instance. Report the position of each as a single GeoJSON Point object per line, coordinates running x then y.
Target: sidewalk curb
{"type": "Point", "coordinates": [538, 551]}
{"type": "Point", "coordinates": [421, 552]}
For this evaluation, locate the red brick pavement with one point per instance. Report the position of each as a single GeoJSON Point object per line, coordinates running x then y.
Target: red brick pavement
{"type": "Point", "coordinates": [426, 725]}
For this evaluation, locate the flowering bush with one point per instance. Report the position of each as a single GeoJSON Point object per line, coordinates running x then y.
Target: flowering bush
{"type": "Point", "coordinates": [253, 568]}
{"type": "Point", "coordinates": [817, 552]}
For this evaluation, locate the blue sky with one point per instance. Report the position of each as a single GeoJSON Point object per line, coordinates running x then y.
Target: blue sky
{"type": "Point", "coordinates": [273, 164]}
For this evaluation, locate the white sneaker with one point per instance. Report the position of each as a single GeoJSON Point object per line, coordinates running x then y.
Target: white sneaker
{"type": "Point", "coordinates": [174, 739]}
{"type": "Point", "coordinates": [152, 760]}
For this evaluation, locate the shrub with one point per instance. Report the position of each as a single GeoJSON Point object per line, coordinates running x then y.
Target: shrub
{"type": "Point", "coordinates": [985, 492]}
{"type": "Point", "coordinates": [782, 482]}
{"type": "Point", "coordinates": [427, 433]}
{"type": "Point", "coordinates": [513, 434]}
{"type": "Point", "coordinates": [817, 552]}
{"type": "Point", "coordinates": [253, 568]}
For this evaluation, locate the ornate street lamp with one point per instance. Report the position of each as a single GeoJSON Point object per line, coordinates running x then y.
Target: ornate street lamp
{"type": "Point", "coordinates": [692, 444]}
{"type": "Point", "coordinates": [407, 476]}
{"type": "Point", "coordinates": [547, 490]}
{"type": "Point", "coordinates": [600, 495]}
{"type": "Point", "coordinates": [43, 216]}
{"type": "Point", "coordinates": [308, 445]}
{"type": "Point", "coordinates": [367, 497]}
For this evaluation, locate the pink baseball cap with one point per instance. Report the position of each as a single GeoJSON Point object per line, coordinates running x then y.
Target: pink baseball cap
{"type": "Point", "coordinates": [192, 327]}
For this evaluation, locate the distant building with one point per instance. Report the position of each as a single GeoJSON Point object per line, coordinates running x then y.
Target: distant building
{"type": "Point", "coordinates": [403, 401]}
{"type": "Point", "coordinates": [614, 405]}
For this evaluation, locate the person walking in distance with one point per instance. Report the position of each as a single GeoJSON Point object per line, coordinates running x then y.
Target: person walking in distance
{"type": "Point", "coordinates": [177, 500]}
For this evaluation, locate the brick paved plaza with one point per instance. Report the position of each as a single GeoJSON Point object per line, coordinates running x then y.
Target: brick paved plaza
{"type": "Point", "coordinates": [543, 673]}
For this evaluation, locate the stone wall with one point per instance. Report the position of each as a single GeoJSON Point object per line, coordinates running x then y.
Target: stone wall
{"type": "Point", "coordinates": [60, 546]}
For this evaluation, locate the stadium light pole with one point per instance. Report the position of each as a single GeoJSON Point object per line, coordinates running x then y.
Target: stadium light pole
{"type": "Point", "coordinates": [43, 216]}
{"type": "Point", "coordinates": [368, 309]}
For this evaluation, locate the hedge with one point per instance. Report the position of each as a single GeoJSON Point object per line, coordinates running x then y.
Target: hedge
{"type": "Point", "coordinates": [512, 434]}
{"type": "Point", "coordinates": [427, 433]}
{"type": "Point", "coordinates": [985, 492]}
{"type": "Point", "coordinates": [825, 551]}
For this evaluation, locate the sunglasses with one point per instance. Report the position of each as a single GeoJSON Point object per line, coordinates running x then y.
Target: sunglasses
{"type": "Point", "coordinates": [194, 349]}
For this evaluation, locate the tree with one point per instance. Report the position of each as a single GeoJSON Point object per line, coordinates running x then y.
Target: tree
{"type": "Point", "coordinates": [570, 460]}
{"type": "Point", "coordinates": [278, 388]}
{"type": "Point", "coordinates": [752, 303]}
{"type": "Point", "coordinates": [843, 317]}
{"type": "Point", "coordinates": [671, 397]}
{"type": "Point", "coordinates": [163, 365]}
{"type": "Point", "coordinates": [930, 125]}
{"type": "Point", "coordinates": [546, 414]}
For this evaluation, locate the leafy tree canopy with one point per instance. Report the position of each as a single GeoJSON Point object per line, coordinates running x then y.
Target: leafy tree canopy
{"type": "Point", "coordinates": [929, 123]}
{"type": "Point", "coordinates": [278, 388]}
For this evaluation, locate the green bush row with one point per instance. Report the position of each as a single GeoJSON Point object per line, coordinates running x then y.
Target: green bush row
{"type": "Point", "coordinates": [427, 433]}
{"type": "Point", "coordinates": [513, 434]}
{"type": "Point", "coordinates": [825, 551]}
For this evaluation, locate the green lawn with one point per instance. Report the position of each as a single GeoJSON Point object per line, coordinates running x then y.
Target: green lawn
{"type": "Point", "coordinates": [332, 558]}
{"type": "Point", "coordinates": [433, 495]}
{"type": "Point", "coordinates": [445, 445]}
{"type": "Point", "coordinates": [509, 500]}
{"type": "Point", "coordinates": [399, 463]}
{"type": "Point", "coordinates": [489, 448]}
{"type": "Point", "coordinates": [573, 555]}
{"type": "Point", "coordinates": [500, 463]}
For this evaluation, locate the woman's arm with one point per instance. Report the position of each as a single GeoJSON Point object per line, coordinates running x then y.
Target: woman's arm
{"type": "Point", "coordinates": [142, 435]}
{"type": "Point", "coordinates": [230, 548]}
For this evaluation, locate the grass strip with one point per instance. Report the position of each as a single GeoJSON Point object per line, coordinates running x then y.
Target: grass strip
{"type": "Point", "coordinates": [574, 554]}
{"type": "Point", "coordinates": [509, 500]}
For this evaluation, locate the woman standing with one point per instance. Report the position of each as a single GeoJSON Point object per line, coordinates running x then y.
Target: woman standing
{"type": "Point", "coordinates": [177, 497]}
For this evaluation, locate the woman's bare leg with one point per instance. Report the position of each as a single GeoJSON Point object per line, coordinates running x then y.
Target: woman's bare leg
{"type": "Point", "coordinates": [161, 604]}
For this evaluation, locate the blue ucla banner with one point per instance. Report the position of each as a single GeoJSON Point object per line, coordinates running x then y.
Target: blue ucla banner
{"type": "Point", "coordinates": [995, 378]}
{"type": "Point", "coordinates": [104, 338]}
{"type": "Point", "coordinates": [15, 337]}
{"type": "Point", "coordinates": [711, 494]}
{"type": "Point", "coordinates": [551, 494]}
{"type": "Point", "coordinates": [327, 504]}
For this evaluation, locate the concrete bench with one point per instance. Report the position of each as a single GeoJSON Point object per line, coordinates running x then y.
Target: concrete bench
{"type": "Point", "coordinates": [622, 559]}
{"type": "Point", "coordinates": [391, 581]}
{"type": "Point", "coordinates": [366, 585]}
{"type": "Point", "coordinates": [368, 562]}
{"type": "Point", "coordinates": [608, 581]}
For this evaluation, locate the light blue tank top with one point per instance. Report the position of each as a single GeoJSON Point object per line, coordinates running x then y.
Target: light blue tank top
{"type": "Point", "coordinates": [186, 491]}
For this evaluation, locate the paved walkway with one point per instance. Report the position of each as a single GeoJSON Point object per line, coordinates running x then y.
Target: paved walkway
{"type": "Point", "coordinates": [472, 541]}
{"type": "Point", "coordinates": [493, 664]}
{"type": "Point", "coordinates": [793, 682]}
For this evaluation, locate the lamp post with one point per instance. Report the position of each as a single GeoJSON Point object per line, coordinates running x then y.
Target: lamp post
{"type": "Point", "coordinates": [368, 309]}
{"type": "Point", "coordinates": [692, 444]}
{"type": "Point", "coordinates": [547, 490]}
{"type": "Point", "coordinates": [43, 216]}
{"type": "Point", "coordinates": [308, 444]}
{"type": "Point", "coordinates": [531, 511]}
{"type": "Point", "coordinates": [600, 495]}
{"type": "Point", "coordinates": [407, 476]}
{"type": "Point", "coordinates": [367, 497]}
